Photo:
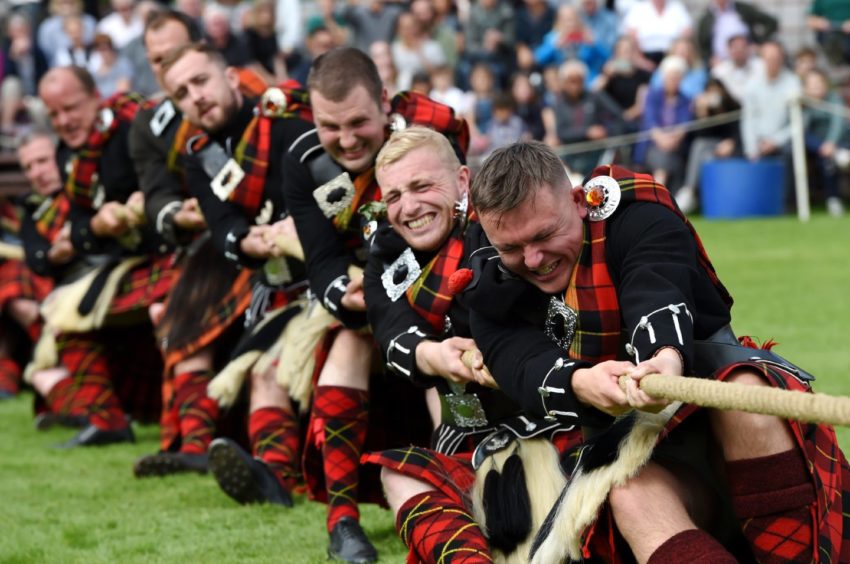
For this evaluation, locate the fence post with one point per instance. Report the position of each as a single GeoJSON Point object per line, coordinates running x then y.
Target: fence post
{"type": "Point", "coordinates": [798, 152]}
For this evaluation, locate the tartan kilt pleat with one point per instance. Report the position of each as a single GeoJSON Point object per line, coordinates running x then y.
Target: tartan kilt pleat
{"type": "Point", "coordinates": [17, 281]}
{"type": "Point", "coordinates": [145, 284]}
{"type": "Point", "coordinates": [398, 417]}
{"type": "Point", "coordinates": [829, 473]}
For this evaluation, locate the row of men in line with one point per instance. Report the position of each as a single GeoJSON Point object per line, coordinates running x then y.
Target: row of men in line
{"type": "Point", "coordinates": [277, 201]}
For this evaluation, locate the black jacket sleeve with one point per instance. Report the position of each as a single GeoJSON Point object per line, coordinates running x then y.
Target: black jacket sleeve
{"type": "Point", "coordinates": [36, 248]}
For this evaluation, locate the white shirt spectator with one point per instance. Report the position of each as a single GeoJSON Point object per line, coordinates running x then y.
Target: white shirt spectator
{"type": "Point", "coordinates": [120, 31]}
{"type": "Point", "coordinates": [736, 78]}
{"type": "Point", "coordinates": [765, 110]}
{"type": "Point", "coordinates": [655, 31]}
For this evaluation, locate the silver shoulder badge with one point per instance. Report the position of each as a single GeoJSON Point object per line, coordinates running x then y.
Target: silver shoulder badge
{"type": "Point", "coordinates": [273, 102]}
{"type": "Point", "coordinates": [105, 117]}
{"type": "Point", "coordinates": [560, 323]}
{"type": "Point", "coordinates": [227, 179]}
{"type": "Point", "coordinates": [401, 274]}
{"type": "Point", "coordinates": [602, 196]}
{"type": "Point", "coordinates": [335, 195]}
{"type": "Point", "coordinates": [162, 117]}
{"type": "Point", "coordinates": [397, 122]}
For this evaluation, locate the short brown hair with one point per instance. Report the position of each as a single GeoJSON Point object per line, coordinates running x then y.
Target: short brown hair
{"type": "Point", "coordinates": [512, 174]}
{"type": "Point", "coordinates": [160, 17]}
{"type": "Point", "coordinates": [83, 77]}
{"type": "Point", "coordinates": [335, 73]}
{"type": "Point", "coordinates": [198, 47]}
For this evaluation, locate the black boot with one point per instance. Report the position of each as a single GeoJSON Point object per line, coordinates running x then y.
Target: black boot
{"type": "Point", "coordinates": [166, 463]}
{"type": "Point", "coordinates": [94, 436]}
{"type": "Point", "coordinates": [350, 544]}
{"type": "Point", "coordinates": [244, 478]}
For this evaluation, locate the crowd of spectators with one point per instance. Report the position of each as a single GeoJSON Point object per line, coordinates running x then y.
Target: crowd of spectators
{"type": "Point", "coordinates": [562, 71]}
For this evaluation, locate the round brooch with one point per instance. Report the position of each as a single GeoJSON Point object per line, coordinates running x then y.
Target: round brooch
{"type": "Point", "coordinates": [602, 196]}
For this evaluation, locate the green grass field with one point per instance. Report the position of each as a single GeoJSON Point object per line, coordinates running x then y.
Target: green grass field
{"type": "Point", "coordinates": [790, 283]}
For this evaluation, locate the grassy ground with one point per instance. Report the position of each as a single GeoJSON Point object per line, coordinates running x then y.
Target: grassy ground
{"type": "Point", "coordinates": [790, 283]}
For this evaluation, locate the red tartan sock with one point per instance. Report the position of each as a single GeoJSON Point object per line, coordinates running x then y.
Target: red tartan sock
{"type": "Point", "coordinates": [437, 529]}
{"type": "Point", "coordinates": [273, 432]}
{"type": "Point", "coordinates": [10, 376]}
{"type": "Point", "coordinates": [773, 496]}
{"type": "Point", "coordinates": [197, 412]}
{"type": "Point", "coordinates": [344, 416]}
{"type": "Point", "coordinates": [693, 546]}
{"type": "Point", "coordinates": [60, 398]}
{"type": "Point", "coordinates": [91, 392]}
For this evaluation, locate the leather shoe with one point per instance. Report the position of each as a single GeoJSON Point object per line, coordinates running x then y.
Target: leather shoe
{"type": "Point", "coordinates": [166, 463]}
{"type": "Point", "coordinates": [244, 478]}
{"type": "Point", "coordinates": [47, 420]}
{"type": "Point", "coordinates": [350, 544]}
{"type": "Point", "coordinates": [93, 436]}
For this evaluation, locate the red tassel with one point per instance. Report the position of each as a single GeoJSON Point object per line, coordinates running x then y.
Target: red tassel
{"type": "Point", "coordinates": [459, 280]}
{"type": "Point", "coordinates": [750, 343]}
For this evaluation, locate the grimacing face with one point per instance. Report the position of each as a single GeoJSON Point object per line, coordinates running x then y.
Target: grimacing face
{"type": "Point", "coordinates": [540, 240]}
{"type": "Point", "coordinates": [206, 93]}
{"type": "Point", "coordinates": [421, 192]}
{"type": "Point", "coordinates": [72, 110]}
{"type": "Point", "coordinates": [38, 161]}
{"type": "Point", "coordinates": [352, 131]}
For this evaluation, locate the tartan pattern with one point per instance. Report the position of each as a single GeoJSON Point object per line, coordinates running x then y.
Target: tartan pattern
{"type": "Point", "coordinates": [10, 376]}
{"type": "Point", "coordinates": [417, 109]}
{"type": "Point", "coordinates": [50, 223]}
{"type": "Point", "coordinates": [82, 181]}
{"type": "Point", "coordinates": [144, 285]}
{"type": "Point", "coordinates": [10, 217]}
{"type": "Point", "coordinates": [343, 414]}
{"type": "Point", "coordinates": [429, 295]}
{"type": "Point", "coordinates": [591, 292]}
{"type": "Point", "coordinates": [273, 433]}
{"type": "Point", "coordinates": [196, 411]}
{"type": "Point", "coordinates": [436, 529]}
{"type": "Point", "coordinates": [17, 281]}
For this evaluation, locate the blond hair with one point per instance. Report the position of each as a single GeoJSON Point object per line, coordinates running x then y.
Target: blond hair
{"type": "Point", "coordinates": [411, 138]}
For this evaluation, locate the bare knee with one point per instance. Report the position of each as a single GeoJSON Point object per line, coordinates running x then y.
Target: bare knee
{"type": "Point", "coordinates": [348, 361]}
{"type": "Point", "coordinates": [266, 392]}
{"type": "Point", "coordinates": [398, 487]}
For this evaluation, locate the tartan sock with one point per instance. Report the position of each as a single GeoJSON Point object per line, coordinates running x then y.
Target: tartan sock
{"type": "Point", "coordinates": [344, 417]}
{"type": "Point", "coordinates": [197, 412]}
{"type": "Point", "coordinates": [90, 392]}
{"type": "Point", "coordinates": [273, 432]}
{"type": "Point", "coordinates": [773, 497]}
{"type": "Point", "coordinates": [693, 546]}
{"type": "Point", "coordinates": [10, 376]}
{"type": "Point", "coordinates": [437, 529]}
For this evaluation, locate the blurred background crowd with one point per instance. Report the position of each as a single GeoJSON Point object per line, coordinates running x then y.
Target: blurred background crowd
{"type": "Point", "coordinates": [659, 85]}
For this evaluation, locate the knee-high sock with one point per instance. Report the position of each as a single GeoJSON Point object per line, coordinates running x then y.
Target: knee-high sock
{"type": "Point", "coordinates": [773, 498]}
{"type": "Point", "coordinates": [273, 432]}
{"type": "Point", "coordinates": [694, 546]}
{"type": "Point", "coordinates": [437, 529]}
{"type": "Point", "coordinates": [91, 391]}
{"type": "Point", "coordinates": [10, 376]}
{"type": "Point", "coordinates": [197, 412]}
{"type": "Point", "coordinates": [343, 414]}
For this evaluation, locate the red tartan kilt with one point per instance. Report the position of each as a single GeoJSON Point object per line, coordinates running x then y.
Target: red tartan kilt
{"type": "Point", "coordinates": [830, 475]}
{"type": "Point", "coordinates": [146, 284]}
{"type": "Point", "coordinates": [450, 475]}
{"type": "Point", "coordinates": [17, 281]}
{"type": "Point", "coordinates": [398, 417]}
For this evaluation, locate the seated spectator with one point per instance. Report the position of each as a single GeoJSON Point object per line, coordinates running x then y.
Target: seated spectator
{"type": "Point", "coordinates": [221, 36]}
{"type": "Point", "coordinates": [696, 77]}
{"type": "Point", "coordinates": [443, 90]}
{"type": "Point", "coordinates": [421, 83]}
{"type": "Point", "coordinates": [805, 60]}
{"type": "Point", "coordinates": [765, 128]}
{"type": "Point", "coordinates": [571, 39]}
{"type": "Point", "coordinates": [578, 115]}
{"type": "Point", "coordinates": [122, 25]}
{"type": "Point", "coordinates": [51, 33]}
{"type": "Point", "coordinates": [655, 24]}
{"type": "Point", "coordinates": [716, 142]}
{"type": "Point", "coordinates": [625, 78]}
{"type": "Point", "coordinates": [381, 54]}
{"type": "Point", "coordinates": [111, 72]}
{"type": "Point", "coordinates": [413, 51]}
{"type": "Point", "coordinates": [724, 19]}
{"type": "Point", "coordinates": [506, 127]}
{"type": "Point", "coordinates": [79, 52]}
{"type": "Point", "coordinates": [143, 81]}
{"type": "Point", "coordinates": [535, 18]}
{"type": "Point", "coordinates": [830, 20]}
{"type": "Point", "coordinates": [371, 21]}
{"type": "Point", "coordinates": [21, 66]}
{"type": "Point", "coordinates": [602, 22]}
{"type": "Point", "coordinates": [447, 29]}
{"type": "Point", "coordinates": [489, 38]}
{"type": "Point", "coordinates": [825, 135]}
{"type": "Point", "coordinates": [445, 36]}
{"type": "Point", "coordinates": [736, 71]}
{"type": "Point", "coordinates": [262, 42]}
{"type": "Point", "coordinates": [665, 111]}
{"type": "Point", "coordinates": [480, 109]}
{"type": "Point", "coordinates": [289, 25]}
{"type": "Point", "coordinates": [319, 41]}
{"type": "Point", "coordinates": [528, 105]}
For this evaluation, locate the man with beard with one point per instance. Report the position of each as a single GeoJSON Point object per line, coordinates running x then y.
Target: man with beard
{"type": "Point", "coordinates": [234, 169]}
{"type": "Point", "coordinates": [99, 314]}
{"type": "Point", "coordinates": [611, 270]}
{"type": "Point", "coordinates": [332, 194]}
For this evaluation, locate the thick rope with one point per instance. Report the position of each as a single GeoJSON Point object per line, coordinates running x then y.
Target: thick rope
{"type": "Point", "coordinates": [787, 404]}
{"type": "Point", "coordinates": [9, 251]}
